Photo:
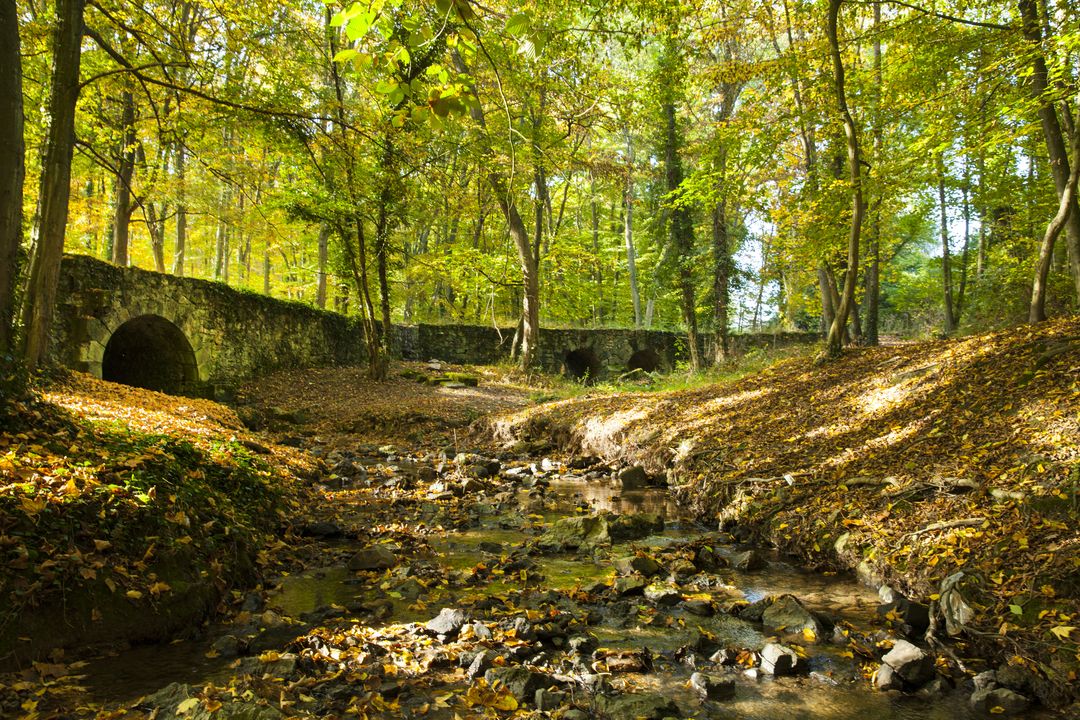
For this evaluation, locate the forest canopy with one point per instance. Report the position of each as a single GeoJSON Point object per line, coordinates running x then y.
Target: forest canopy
{"type": "Point", "coordinates": [858, 168]}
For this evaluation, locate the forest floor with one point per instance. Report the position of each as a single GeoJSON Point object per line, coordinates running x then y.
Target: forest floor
{"type": "Point", "coordinates": [907, 464]}
{"type": "Point", "coordinates": [302, 558]}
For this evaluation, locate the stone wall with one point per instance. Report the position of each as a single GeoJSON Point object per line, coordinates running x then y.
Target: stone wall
{"type": "Point", "coordinates": [597, 351]}
{"type": "Point", "coordinates": [233, 335]}
{"type": "Point", "coordinates": [204, 337]}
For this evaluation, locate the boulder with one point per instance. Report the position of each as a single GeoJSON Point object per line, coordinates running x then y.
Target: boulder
{"type": "Point", "coordinates": [586, 532]}
{"type": "Point", "coordinates": [322, 529]}
{"type": "Point", "coordinates": [913, 665]}
{"type": "Point", "coordinates": [788, 614]}
{"type": "Point", "coordinates": [449, 621]}
{"type": "Point", "coordinates": [707, 560]}
{"type": "Point", "coordinates": [173, 702]}
{"type": "Point", "coordinates": [635, 527]}
{"type": "Point", "coordinates": [374, 557]}
{"type": "Point", "coordinates": [711, 687]}
{"type": "Point", "coordinates": [632, 478]}
{"type": "Point", "coordinates": [637, 564]}
{"type": "Point", "coordinates": [548, 700]}
{"type": "Point", "coordinates": [780, 660]}
{"type": "Point", "coordinates": [520, 681]}
{"type": "Point", "coordinates": [646, 706]}
{"type": "Point", "coordinates": [886, 678]}
{"type": "Point", "coordinates": [748, 560]}
{"type": "Point", "coordinates": [998, 701]}
{"type": "Point", "coordinates": [915, 617]}
{"type": "Point", "coordinates": [701, 608]}
{"type": "Point", "coordinates": [662, 595]}
{"type": "Point", "coordinates": [629, 585]}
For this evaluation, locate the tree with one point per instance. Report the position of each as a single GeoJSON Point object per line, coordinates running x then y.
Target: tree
{"type": "Point", "coordinates": [847, 298]}
{"type": "Point", "coordinates": [12, 169]}
{"type": "Point", "coordinates": [55, 186]}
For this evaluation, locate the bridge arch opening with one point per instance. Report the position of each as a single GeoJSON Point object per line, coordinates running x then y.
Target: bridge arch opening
{"type": "Point", "coordinates": [582, 364]}
{"type": "Point", "coordinates": [647, 360]}
{"type": "Point", "coordinates": [151, 352]}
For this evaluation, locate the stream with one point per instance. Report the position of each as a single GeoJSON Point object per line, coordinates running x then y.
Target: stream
{"type": "Point", "coordinates": [584, 621]}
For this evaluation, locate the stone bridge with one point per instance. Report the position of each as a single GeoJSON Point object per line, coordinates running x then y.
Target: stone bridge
{"type": "Point", "coordinates": [194, 337]}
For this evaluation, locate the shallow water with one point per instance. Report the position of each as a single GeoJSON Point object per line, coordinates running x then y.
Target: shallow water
{"type": "Point", "coordinates": [835, 689]}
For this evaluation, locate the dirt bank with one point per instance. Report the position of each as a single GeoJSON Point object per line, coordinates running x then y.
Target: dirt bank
{"type": "Point", "coordinates": [908, 464]}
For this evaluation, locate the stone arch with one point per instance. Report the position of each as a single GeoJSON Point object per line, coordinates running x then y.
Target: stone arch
{"type": "Point", "coordinates": [645, 359]}
{"type": "Point", "coordinates": [582, 364]}
{"type": "Point", "coordinates": [152, 352]}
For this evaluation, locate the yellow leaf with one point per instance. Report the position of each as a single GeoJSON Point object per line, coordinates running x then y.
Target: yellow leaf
{"type": "Point", "coordinates": [134, 594]}
{"type": "Point", "coordinates": [158, 588]}
{"type": "Point", "coordinates": [102, 545]}
{"type": "Point", "coordinates": [30, 506]}
{"type": "Point", "coordinates": [187, 706]}
{"type": "Point", "coordinates": [1063, 631]}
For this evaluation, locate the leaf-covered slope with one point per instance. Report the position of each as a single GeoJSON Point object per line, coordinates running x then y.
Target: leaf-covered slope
{"type": "Point", "coordinates": [126, 513]}
{"type": "Point", "coordinates": [913, 461]}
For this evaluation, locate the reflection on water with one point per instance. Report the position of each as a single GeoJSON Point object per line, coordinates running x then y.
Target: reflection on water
{"type": "Point", "coordinates": [835, 691]}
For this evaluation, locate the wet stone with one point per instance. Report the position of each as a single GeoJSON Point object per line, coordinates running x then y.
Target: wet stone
{"type": "Point", "coordinates": [701, 608]}
{"type": "Point", "coordinates": [711, 687]}
{"type": "Point", "coordinates": [786, 613]}
{"type": "Point", "coordinates": [375, 557]}
{"type": "Point", "coordinates": [748, 560]}
{"type": "Point", "coordinates": [632, 478]}
{"type": "Point", "coordinates": [886, 679]}
{"type": "Point", "coordinates": [779, 660]}
{"type": "Point", "coordinates": [662, 595]}
{"type": "Point", "coordinates": [576, 533]}
{"type": "Point", "coordinates": [448, 622]}
{"type": "Point", "coordinates": [643, 564]}
{"type": "Point", "coordinates": [638, 707]}
{"type": "Point", "coordinates": [635, 527]}
{"type": "Point", "coordinates": [521, 682]}
{"type": "Point", "coordinates": [629, 585]}
{"type": "Point", "coordinates": [913, 665]}
{"type": "Point", "coordinates": [322, 529]}
{"type": "Point", "coordinates": [998, 701]}
{"type": "Point", "coordinates": [229, 646]}
{"type": "Point", "coordinates": [546, 700]}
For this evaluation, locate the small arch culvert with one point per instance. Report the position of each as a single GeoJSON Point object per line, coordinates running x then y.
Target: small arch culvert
{"type": "Point", "coordinates": [582, 364]}
{"type": "Point", "coordinates": [646, 360]}
{"type": "Point", "coordinates": [151, 352]}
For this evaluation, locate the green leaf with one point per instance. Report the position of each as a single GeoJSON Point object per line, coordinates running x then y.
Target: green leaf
{"type": "Point", "coordinates": [518, 24]}
{"type": "Point", "coordinates": [1016, 610]}
{"type": "Point", "coordinates": [345, 55]}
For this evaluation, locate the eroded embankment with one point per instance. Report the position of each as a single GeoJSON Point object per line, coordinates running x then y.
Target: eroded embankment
{"type": "Point", "coordinates": [127, 515]}
{"type": "Point", "coordinates": [908, 464]}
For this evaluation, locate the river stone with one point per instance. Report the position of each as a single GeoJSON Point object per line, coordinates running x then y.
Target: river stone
{"type": "Point", "coordinates": [633, 478]}
{"type": "Point", "coordinates": [701, 608]}
{"type": "Point", "coordinates": [915, 616]}
{"type": "Point", "coordinates": [629, 585]}
{"type": "Point", "coordinates": [585, 532]}
{"type": "Point", "coordinates": [886, 678]}
{"type": "Point", "coordinates": [547, 700]}
{"type": "Point", "coordinates": [711, 687]}
{"type": "Point", "coordinates": [998, 701]}
{"type": "Point", "coordinates": [375, 557]}
{"type": "Point", "coordinates": [638, 707]}
{"type": "Point", "coordinates": [780, 660]}
{"type": "Point", "coordinates": [748, 560]}
{"type": "Point", "coordinates": [229, 646]}
{"type": "Point", "coordinates": [706, 560]}
{"type": "Point", "coordinates": [521, 682]}
{"type": "Point", "coordinates": [448, 622]}
{"type": "Point", "coordinates": [480, 664]}
{"type": "Point", "coordinates": [662, 595]}
{"type": "Point", "coordinates": [167, 701]}
{"type": "Point", "coordinates": [635, 527]}
{"type": "Point", "coordinates": [643, 564]}
{"type": "Point", "coordinates": [322, 529]}
{"type": "Point", "coordinates": [788, 614]}
{"type": "Point", "coordinates": [913, 665]}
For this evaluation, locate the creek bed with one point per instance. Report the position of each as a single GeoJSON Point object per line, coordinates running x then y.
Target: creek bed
{"type": "Point", "coordinates": [461, 566]}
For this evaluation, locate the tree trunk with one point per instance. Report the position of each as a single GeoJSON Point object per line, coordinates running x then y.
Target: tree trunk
{"type": "Point", "coordinates": [681, 230]}
{"type": "Point", "coordinates": [598, 272]}
{"type": "Point", "coordinates": [965, 252]}
{"type": "Point", "coordinates": [836, 330]}
{"type": "Point", "coordinates": [181, 213]}
{"type": "Point", "coordinates": [530, 275]}
{"type": "Point", "coordinates": [55, 185]}
{"type": "Point", "coordinates": [1067, 207]}
{"type": "Point", "coordinates": [1055, 145]}
{"type": "Point", "coordinates": [12, 171]}
{"type": "Point", "coordinates": [125, 169]}
{"type": "Point", "coordinates": [722, 266]}
{"type": "Point", "coordinates": [828, 309]}
{"type": "Point", "coordinates": [873, 269]}
{"type": "Point", "coordinates": [628, 231]}
{"type": "Point", "coordinates": [324, 251]}
{"type": "Point", "coordinates": [266, 271]}
{"type": "Point", "coordinates": [946, 262]}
